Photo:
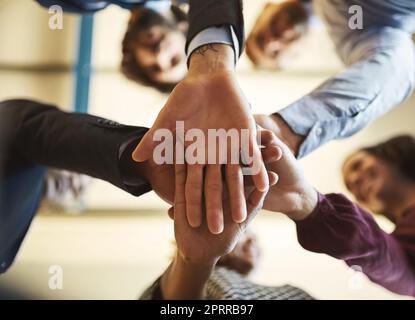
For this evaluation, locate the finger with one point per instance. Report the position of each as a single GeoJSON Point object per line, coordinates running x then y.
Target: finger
{"type": "Point", "coordinates": [266, 137]}
{"type": "Point", "coordinates": [254, 204]}
{"type": "Point", "coordinates": [144, 149]}
{"type": "Point", "coordinates": [271, 153]}
{"type": "Point", "coordinates": [179, 192]}
{"type": "Point", "coordinates": [235, 184]}
{"type": "Point", "coordinates": [272, 177]}
{"type": "Point", "coordinates": [213, 198]}
{"type": "Point", "coordinates": [193, 194]}
{"type": "Point", "coordinates": [170, 212]}
{"type": "Point", "coordinates": [259, 173]}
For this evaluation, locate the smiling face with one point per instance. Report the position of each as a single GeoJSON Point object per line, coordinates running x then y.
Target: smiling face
{"type": "Point", "coordinates": [374, 183]}
{"type": "Point", "coordinates": [277, 27]}
{"type": "Point", "coordinates": [244, 257]}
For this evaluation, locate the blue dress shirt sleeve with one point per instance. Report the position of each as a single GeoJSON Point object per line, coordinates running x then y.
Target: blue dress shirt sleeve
{"type": "Point", "coordinates": [222, 35]}
{"type": "Point", "coordinates": [380, 74]}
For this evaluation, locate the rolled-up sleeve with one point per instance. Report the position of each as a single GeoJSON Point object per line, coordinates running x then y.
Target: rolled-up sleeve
{"type": "Point", "coordinates": [380, 74]}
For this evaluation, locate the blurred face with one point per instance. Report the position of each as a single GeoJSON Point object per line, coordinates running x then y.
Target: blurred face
{"type": "Point", "coordinates": [272, 34]}
{"type": "Point", "coordinates": [374, 183]}
{"type": "Point", "coordinates": [160, 53]}
{"type": "Point", "coordinates": [244, 257]}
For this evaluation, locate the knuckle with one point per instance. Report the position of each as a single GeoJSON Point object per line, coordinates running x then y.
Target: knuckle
{"type": "Point", "coordinates": [214, 187]}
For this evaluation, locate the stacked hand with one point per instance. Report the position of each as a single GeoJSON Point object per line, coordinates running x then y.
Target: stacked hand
{"type": "Point", "coordinates": [199, 245]}
{"type": "Point", "coordinates": [209, 98]}
{"type": "Point", "coordinates": [293, 195]}
{"type": "Point", "coordinates": [276, 124]}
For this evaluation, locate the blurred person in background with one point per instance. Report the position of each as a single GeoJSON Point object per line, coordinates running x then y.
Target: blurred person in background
{"type": "Point", "coordinates": [278, 26]}
{"type": "Point", "coordinates": [153, 48]}
{"type": "Point", "coordinates": [373, 39]}
{"type": "Point", "coordinates": [64, 190]}
{"type": "Point", "coordinates": [382, 177]}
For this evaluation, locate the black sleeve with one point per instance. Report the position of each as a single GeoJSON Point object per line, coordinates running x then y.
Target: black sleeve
{"type": "Point", "coordinates": [33, 132]}
{"type": "Point", "coordinates": [210, 13]}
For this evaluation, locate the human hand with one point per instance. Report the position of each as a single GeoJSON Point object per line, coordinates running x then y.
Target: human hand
{"type": "Point", "coordinates": [161, 177]}
{"type": "Point", "coordinates": [293, 195]}
{"type": "Point", "coordinates": [200, 246]}
{"type": "Point", "coordinates": [210, 98]}
{"type": "Point", "coordinates": [281, 129]}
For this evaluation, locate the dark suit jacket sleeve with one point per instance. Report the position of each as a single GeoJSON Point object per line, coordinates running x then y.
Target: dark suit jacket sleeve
{"type": "Point", "coordinates": [210, 13]}
{"type": "Point", "coordinates": [33, 132]}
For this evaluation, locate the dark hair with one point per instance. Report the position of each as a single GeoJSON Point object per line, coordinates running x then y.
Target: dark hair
{"type": "Point", "coordinates": [399, 152]}
{"type": "Point", "coordinates": [298, 18]}
{"type": "Point", "coordinates": [296, 10]}
{"type": "Point", "coordinates": [142, 18]}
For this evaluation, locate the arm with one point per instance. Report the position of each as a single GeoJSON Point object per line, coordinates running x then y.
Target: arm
{"type": "Point", "coordinates": [33, 132]}
{"type": "Point", "coordinates": [198, 101]}
{"type": "Point", "coordinates": [197, 253]}
{"type": "Point", "coordinates": [343, 230]}
{"type": "Point", "coordinates": [379, 75]}
{"type": "Point", "coordinates": [185, 280]}
{"type": "Point", "coordinates": [209, 98]}
{"type": "Point", "coordinates": [197, 249]}
{"type": "Point", "coordinates": [334, 225]}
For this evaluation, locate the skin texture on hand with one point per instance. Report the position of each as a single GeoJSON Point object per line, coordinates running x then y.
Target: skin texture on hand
{"type": "Point", "coordinates": [281, 129]}
{"type": "Point", "coordinates": [209, 98]}
{"type": "Point", "coordinates": [198, 250]}
{"type": "Point", "coordinates": [162, 177]}
{"type": "Point", "coordinates": [293, 195]}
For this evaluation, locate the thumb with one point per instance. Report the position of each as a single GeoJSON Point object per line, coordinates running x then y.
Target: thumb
{"type": "Point", "coordinates": [254, 205]}
{"type": "Point", "coordinates": [144, 149]}
{"type": "Point", "coordinates": [171, 213]}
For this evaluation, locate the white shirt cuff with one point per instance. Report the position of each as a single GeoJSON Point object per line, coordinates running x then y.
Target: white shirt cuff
{"type": "Point", "coordinates": [221, 35]}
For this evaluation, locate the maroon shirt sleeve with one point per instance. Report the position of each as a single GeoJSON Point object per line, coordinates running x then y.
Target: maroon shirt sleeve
{"type": "Point", "coordinates": [343, 230]}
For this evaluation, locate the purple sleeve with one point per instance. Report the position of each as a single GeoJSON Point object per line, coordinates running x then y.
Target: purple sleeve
{"type": "Point", "coordinates": [343, 230]}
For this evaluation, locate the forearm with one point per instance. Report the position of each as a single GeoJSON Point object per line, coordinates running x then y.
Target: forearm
{"type": "Point", "coordinates": [44, 135]}
{"type": "Point", "coordinates": [184, 280]}
{"type": "Point", "coordinates": [343, 230]}
{"type": "Point", "coordinates": [379, 76]}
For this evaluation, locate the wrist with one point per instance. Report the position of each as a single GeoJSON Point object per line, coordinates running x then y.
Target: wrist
{"type": "Point", "coordinates": [289, 137]}
{"type": "Point", "coordinates": [196, 264]}
{"type": "Point", "coordinates": [308, 203]}
{"type": "Point", "coordinates": [185, 280]}
{"type": "Point", "coordinates": [144, 170]}
{"type": "Point", "coordinates": [130, 170]}
{"type": "Point", "coordinates": [212, 58]}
